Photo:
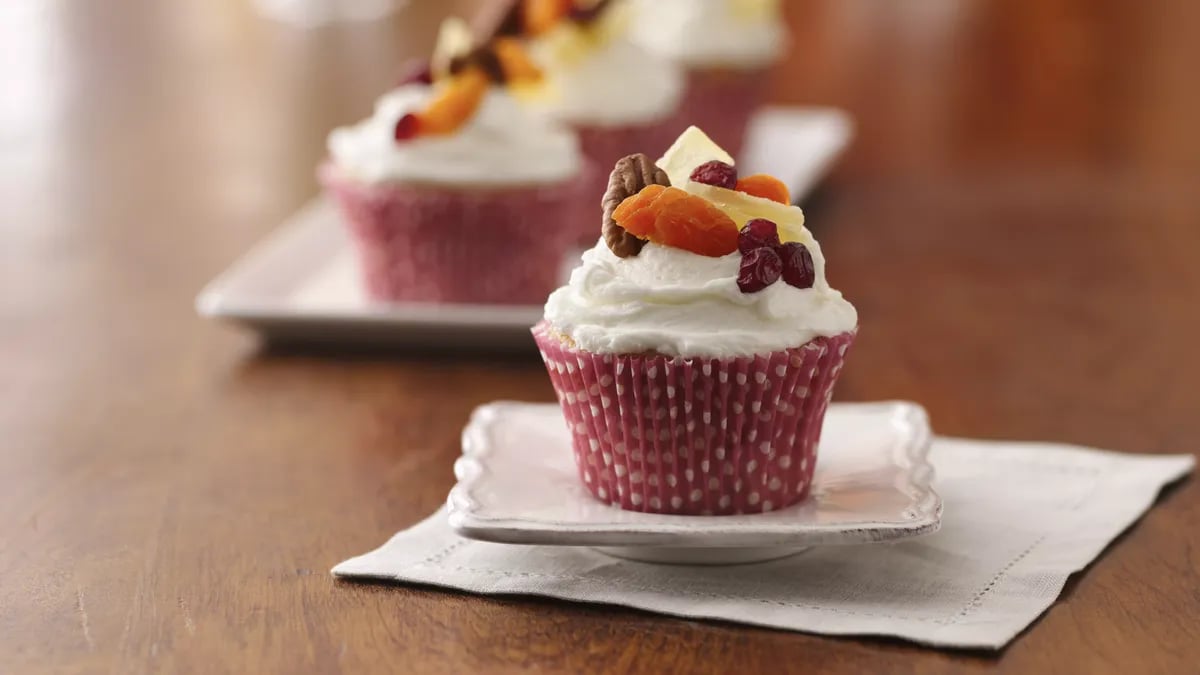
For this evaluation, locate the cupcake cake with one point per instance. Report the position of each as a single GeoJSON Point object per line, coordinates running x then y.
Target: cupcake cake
{"type": "Point", "coordinates": [452, 191]}
{"type": "Point", "coordinates": [695, 349]}
{"type": "Point", "coordinates": [726, 47]}
{"type": "Point", "coordinates": [618, 97]}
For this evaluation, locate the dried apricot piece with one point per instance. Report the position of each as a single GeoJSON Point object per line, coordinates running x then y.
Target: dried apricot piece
{"type": "Point", "coordinates": [767, 187]}
{"type": "Point", "coordinates": [694, 224]}
{"type": "Point", "coordinates": [671, 217]}
{"type": "Point", "coordinates": [636, 202]}
{"type": "Point", "coordinates": [542, 15]}
{"type": "Point", "coordinates": [454, 104]}
{"type": "Point", "coordinates": [515, 61]}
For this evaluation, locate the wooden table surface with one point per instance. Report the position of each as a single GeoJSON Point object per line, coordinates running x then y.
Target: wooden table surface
{"type": "Point", "coordinates": [1018, 223]}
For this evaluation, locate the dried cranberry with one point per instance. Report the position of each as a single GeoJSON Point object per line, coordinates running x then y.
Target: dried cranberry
{"type": "Point", "coordinates": [798, 267]}
{"type": "Point", "coordinates": [416, 72]}
{"type": "Point", "coordinates": [758, 233]}
{"type": "Point", "coordinates": [406, 127]}
{"type": "Point", "coordinates": [760, 268]}
{"type": "Point", "coordinates": [716, 173]}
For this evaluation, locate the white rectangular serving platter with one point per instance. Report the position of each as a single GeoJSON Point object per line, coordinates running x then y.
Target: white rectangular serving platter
{"type": "Point", "coordinates": [300, 283]}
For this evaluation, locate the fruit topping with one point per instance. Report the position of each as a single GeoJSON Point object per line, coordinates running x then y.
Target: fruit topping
{"type": "Point", "coordinates": [455, 103]}
{"type": "Point", "coordinates": [792, 260]}
{"type": "Point", "coordinates": [539, 16]}
{"type": "Point", "coordinates": [689, 151]}
{"type": "Point", "coordinates": [766, 187]}
{"type": "Point", "coordinates": [637, 202]}
{"type": "Point", "coordinates": [798, 267]}
{"type": "Point", "coordinates": [454, 41]}
{"type": "Point", "coordinates": [760, 268]}
{"type": "Point", "coordinates": [407, 127]}
{"type": "Point", "coordinates": [536, 18]}
{"type": "Point", "coordinates": [671, 217]}
{"type": "Point", "coordinates": [716, 172]}
{"type": "Point", "coordinates": [463, 72]}
{"type": "Point", "coordinates": [514, 61]}
{"type": "Point", "coordinates": [743, 208]}
{"type": "Point", "coordinates": [758, 233]}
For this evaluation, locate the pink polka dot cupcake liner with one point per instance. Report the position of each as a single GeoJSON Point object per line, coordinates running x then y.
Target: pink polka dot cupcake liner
{"type": "Point", "coordinates": [420, 243]}
{"type": "Point", "coordinates": [696, 436]}
{"type": "Point", "coordinates": [722, 101]}
{"type": "Point", "coordinates": [603, 146]}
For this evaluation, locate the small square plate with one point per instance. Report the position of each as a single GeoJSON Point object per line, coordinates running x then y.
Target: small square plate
{"type": "Point", "coordinates": [517, 484]}
{"type": "Point", "coordinates": [301, 283]}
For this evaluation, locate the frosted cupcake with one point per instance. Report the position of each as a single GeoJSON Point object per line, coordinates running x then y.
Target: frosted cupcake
{"type": "Point", "coordinates": [617, 96]}
{"type": "Point", "coordinates": [452, 191]}
{"type": "Point", "coordinates": [695, 349]}
{"type": "Point", "coordinates": [727, 48]}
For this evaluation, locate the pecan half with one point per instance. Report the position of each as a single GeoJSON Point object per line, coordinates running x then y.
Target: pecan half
{"type": "Point", "coordinates": [485, 58]}
{"type": "Point", "coordinates": [629, 176]}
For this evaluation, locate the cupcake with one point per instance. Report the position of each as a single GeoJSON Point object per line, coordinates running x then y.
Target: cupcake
{"type": "Point", "coordinates": [695, 349]}
{"type": "Point", "coordinates": [452, 191]}
{"type": "Point", "coordinates": [618, 97]}
{"type": "Point", "coordinates": [727, 48]}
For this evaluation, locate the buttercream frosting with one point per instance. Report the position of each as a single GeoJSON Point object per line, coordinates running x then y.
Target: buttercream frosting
{"type": "Point", "coordinates": [502, 144]}
{"type": "Point", "coordinates": [674, 302]}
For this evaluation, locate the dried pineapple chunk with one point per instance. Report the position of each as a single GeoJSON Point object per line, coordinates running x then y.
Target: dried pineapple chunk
{"type": "Point", "coordinates": [690, 150]}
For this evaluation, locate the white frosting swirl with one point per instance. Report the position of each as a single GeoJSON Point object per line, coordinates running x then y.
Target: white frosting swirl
{"type": "Point", "coordinates": [711, 33]}
{"type": "Point", "coordinates": [502, 144]}
{"type": "Point", "coordinates": [678, 303]}
{"type": "Point", "coordinates": [614, 83]}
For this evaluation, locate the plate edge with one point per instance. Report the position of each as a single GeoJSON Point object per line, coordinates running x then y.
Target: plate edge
{"type": "Point", "coordinates": [464, 519]}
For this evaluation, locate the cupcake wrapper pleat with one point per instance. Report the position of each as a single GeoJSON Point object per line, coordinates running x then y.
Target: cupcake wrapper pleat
{"type": "Point", "coordinates": [431, 244]}
{"type": "Point", "coordinates": [695, 436]}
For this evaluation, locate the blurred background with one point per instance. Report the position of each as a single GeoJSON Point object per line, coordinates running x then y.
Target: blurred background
{"type": "Point", "coordinates": [1037, 158]}
{"type": "Point", "coordinates": [205, 112]}
{"type": "Point", "coordinates": [1011, 154]}
{"type": "Point", "coordinates": [209, 118]}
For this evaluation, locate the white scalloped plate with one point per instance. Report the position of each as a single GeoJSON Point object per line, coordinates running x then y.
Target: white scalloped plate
{"type": "Point", "coordinates": [301, 283]}
{"type": "Point", "coordinates": [517, 484]}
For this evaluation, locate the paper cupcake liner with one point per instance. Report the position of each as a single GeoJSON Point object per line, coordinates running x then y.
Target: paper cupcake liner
{"type": "Point", "coordinates": [695, 436]}
{"type": "Point", "coordinates": [603, 146]}
{"type": "Point", "coordinates": [722, 101]}
{"type": "Point", "coordinates": [466, 245]}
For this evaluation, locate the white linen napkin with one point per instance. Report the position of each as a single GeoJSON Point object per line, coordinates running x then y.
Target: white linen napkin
{"type": "Point", "coordinates": [1019, 519]}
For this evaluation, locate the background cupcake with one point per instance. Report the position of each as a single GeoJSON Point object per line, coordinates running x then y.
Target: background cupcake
{"type": "Point", "coordinates": [727, 48]}
{"type": "Point", "coordinates": [695, 349]}
{"type": "Point", "coordinates": [452, 191]}
{"type": "Point", "coordinates": [618, 97]}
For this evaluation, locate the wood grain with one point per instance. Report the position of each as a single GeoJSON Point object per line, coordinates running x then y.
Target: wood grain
{"type": "Point", "coordinates": [1018, 224]}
